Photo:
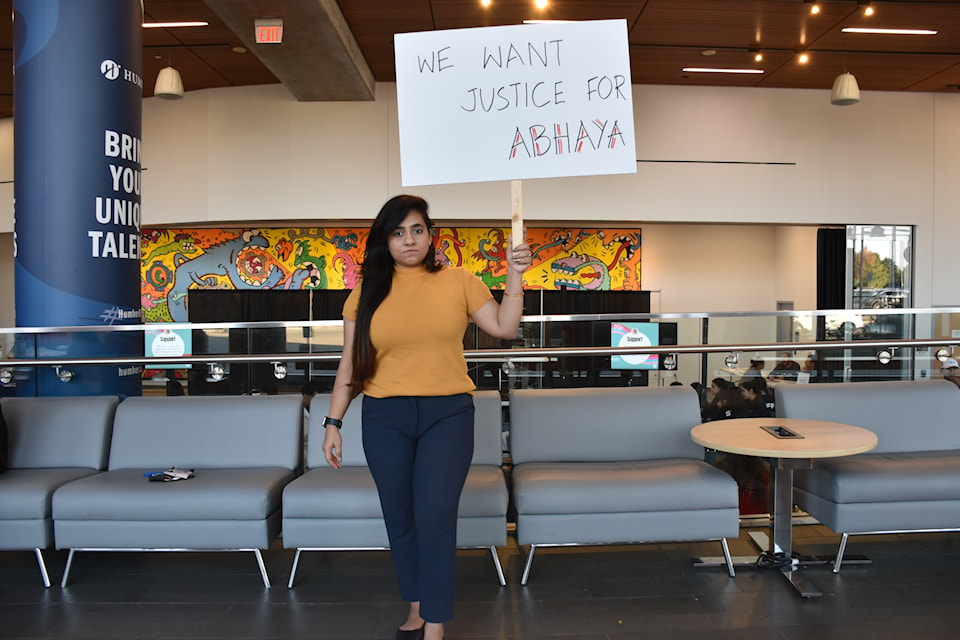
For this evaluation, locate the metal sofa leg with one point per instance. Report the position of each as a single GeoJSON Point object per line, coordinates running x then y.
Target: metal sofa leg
{"type": "Point", "coordinates": [43, 568]}
{"type": "Point", "coordinates": [293, 569]}
{"type": "Point", "coordinates": [727, 558]}
{"type": "Point", "coordinates": [498, 566]}
{"type": "Point", "coordinates": [526, 569]}
{"type": "Point", "coordinates": [263, 569]}
{"type": "Point", "coordinates": [840, 551]}
{"type": "Point", "coordinates": [66, 569]}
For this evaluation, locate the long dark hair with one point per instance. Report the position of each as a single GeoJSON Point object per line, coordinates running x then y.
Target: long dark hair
{"type": "Point", "coordinates": [376, 272]}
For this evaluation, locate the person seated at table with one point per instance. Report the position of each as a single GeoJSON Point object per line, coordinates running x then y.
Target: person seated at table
{"type": "Point", "coordinates": [757, 399]}
{"type": "Point", "coordinates": [174, 387]}
{"type": "Point", "coordinates": [786, 369]}
{"type": "Point", "coordinates": [728, 403]}
{"type": "Point", "coordinates": [716, 385]}
{"type": "Point", "coordinates": [708, 402]}
{"type": "Point", "coordinates": [950, 370]}
{"type": "Point", "coordinates": [696, 386]}
{"type": "Point", "coordinates": [755, 370]}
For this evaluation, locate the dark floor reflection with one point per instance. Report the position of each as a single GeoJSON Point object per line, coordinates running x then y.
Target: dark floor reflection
{"type": "Point", "coordinates": [610, 593]}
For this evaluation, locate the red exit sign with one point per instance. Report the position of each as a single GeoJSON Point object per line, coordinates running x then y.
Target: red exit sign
{"type": "Point", "coordinates": [269, 30]}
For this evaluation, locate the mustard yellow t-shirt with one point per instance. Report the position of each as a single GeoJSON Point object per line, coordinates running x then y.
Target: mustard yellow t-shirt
{"type": "Point", "coordinates": [418, 332]}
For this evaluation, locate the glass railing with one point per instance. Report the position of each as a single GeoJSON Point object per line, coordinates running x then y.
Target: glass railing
{"type": "Point", "coordinates": [549, 351]}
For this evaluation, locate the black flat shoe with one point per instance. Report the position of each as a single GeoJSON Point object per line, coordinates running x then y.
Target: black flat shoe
{"type": "Point", "coordinates": [412, 634]}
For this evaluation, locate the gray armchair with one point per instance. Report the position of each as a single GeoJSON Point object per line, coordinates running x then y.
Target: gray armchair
{"type": "Point", "coordinates": [53, 441]}
{"type": "Point", "coordinates": [244, 449]}
{"type": "Point", "coordinates": [330, 509]}
{"type": "Point", "coordinates": [909, 483]}
{"type": "Point", "coordinates": [614, 466]}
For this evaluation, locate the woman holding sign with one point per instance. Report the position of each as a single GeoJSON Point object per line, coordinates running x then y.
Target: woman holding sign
{"type": "Point", "coordinates": [403, 332]}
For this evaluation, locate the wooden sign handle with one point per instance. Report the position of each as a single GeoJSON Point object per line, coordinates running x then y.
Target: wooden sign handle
{"type": "Point", "coordinates": [516, 212]}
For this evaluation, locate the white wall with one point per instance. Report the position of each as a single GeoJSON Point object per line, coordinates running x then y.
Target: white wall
{"type": "Point", "coordinates": [254, 153]}
{"type": "Point", "coordinates": [795, 266]}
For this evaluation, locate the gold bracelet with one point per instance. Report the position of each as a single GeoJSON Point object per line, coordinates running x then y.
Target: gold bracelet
{"type": "Point", "coordinates": [512, 295]}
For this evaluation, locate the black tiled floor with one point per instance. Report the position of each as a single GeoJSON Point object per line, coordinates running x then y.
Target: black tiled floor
{"type": "Point", "coordinates": [608, 593]}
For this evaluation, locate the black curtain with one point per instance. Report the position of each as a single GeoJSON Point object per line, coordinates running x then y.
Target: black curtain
{"type": "Point", "coordinates": [831, 294]}
{"type": "Point", "coordinates": [831, 268]}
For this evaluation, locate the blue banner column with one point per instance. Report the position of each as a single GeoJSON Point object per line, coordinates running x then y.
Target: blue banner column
{"type": "Point", "coordinates": [78, 93]}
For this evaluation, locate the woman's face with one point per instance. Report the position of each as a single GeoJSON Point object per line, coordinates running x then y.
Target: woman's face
{"type": "Point", "coordinates": [747, 394]}
{"type": "Point", "coordinates": [410, 242]}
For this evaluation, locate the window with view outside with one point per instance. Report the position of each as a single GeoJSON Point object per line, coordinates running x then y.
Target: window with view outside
{"type": "Point", "coordinates": [880, 257]}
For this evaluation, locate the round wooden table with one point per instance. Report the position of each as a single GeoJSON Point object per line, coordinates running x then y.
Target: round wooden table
{"type": "Point", "coordinates": [800, 443]}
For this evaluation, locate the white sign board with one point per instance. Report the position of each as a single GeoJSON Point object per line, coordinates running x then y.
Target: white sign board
{"type": "Point", "coordinates": [508, 103]}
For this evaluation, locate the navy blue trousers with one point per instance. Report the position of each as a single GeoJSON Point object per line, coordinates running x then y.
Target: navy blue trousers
{"type": "Point", "coordinates": [419, 451]}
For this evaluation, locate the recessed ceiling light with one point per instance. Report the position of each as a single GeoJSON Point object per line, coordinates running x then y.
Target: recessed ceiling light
{"type": "Point", "coordinates": [708, 52]}
{"type": "Point", "coordinates": [895, 32]}
{"type": "Point", "coordinates": [485, 3]}
{"type": "Point", "coordinates": [718, 70]}
{"type": "Point", "coordinates": [804, 58]}
{"type": "Point", "coordinates": [239, 49]}
{"type": "Point", "coordinates": [541, 4]}
{"type": "Point", "coordinates": [170, 25]}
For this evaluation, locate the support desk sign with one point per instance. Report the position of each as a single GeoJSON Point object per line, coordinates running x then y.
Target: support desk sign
{"type": "Point", "coordinates": [515, 102]}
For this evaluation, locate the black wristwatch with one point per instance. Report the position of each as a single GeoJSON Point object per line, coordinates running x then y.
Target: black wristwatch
{"type": "Point", "coordinates": [332, 422]}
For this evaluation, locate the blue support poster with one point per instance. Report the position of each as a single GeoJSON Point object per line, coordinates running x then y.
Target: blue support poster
{"type": "Point", "coordinates": [78, 99]}
{"type": "Point", "coordinates": [635, 334]}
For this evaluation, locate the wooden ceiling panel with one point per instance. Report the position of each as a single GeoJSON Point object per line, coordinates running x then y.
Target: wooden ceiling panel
{"type": "Point", "coordinates": [374, 23]}
{"type": "Point", "coordinates": [6, 81]}
{"type": "Point", "coordinates": [6, 34]}
{"type": "Point", "coordinates": [873, 72]}
{"type": "Point", "coordinates": [236, 68]}
{"type": "Point", "coordinates": [460, 14]}
{"type": "Point", "coordinates": [664, 65]}
{"type": "Point", "coordinates": [945, 80]}
{"type": "Point", "coordinates": [734, 23]}
{"type": "Point", "coordinates": [665, 36]}
{"type": "Point", "coordinates": [942, 17]}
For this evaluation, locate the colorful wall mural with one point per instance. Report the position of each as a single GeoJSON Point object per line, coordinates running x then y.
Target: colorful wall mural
{"type": "Point", "coordinates": [174, 261]}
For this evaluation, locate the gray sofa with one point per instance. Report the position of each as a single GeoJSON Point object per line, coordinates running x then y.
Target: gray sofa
{"type": "Point", "coordinates": [339, 509]}
{"type": "Point", "coordinates": [244, 450]}
{"type": "Point", "coordinates": [607, 466]}
{"type": "Point", "coordinates": [52, 442]}
{"type": "Point", "coordinates": [909, 483]}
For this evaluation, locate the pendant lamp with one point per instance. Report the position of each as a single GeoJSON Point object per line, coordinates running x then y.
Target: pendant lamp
{"type": "Point", "coordinates": [170, 85]}
{"type": "Point", "coordinates": [845, 90]}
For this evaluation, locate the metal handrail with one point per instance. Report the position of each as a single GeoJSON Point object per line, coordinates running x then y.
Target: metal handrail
{"type": "Point", "coordinates": [487, 354]}
{"type": "Point", "coordinates": [525, 319]}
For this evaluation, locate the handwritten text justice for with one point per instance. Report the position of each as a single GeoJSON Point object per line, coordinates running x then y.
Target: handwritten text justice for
{"type": "Point", "coordinates": [539, 138]}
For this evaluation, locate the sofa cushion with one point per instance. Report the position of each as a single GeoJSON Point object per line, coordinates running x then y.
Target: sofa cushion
{"type": "Point", "coordinates": [325, 492]}
{"type": "Point", "coordinates": [484, 493]}
{"type": "Point", "coordinates": [621, 487]}
{"type": "Point", "coordinates": [213, 494]}
{"type": "Point", "coordinates": [350, 492]}
{"type": "Point", "coordinates": [488, 429]}
{"type": "Point", "coordinates": [69, 432]}
{"type": "Point", "coordinates": [25, 493]}
{"type": "Point", "coordinates": [603, 425]}
{"type": "Point", "coordinates": [884, 477]}
{"type": "Point", "coordinates": [208, 432]}
{"type": "Point", "coordinates": [905, 415]}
